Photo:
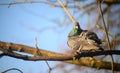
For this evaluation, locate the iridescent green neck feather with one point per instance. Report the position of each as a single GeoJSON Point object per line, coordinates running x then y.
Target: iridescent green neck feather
{"type": "Point", "coordinates": [74, 32]}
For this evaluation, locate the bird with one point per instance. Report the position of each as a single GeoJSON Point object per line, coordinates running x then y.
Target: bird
{"type": "Point", "coordinates": [83, 40]}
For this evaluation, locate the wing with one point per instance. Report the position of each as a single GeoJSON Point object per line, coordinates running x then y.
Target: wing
{"type": "Point", "coordinates": [89, 41]}
{"type": "Point", "coordinates": [91, 36]}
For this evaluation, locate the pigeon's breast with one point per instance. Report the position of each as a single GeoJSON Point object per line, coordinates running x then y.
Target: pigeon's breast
{"type": "Point", "coordinates": [73, 42]}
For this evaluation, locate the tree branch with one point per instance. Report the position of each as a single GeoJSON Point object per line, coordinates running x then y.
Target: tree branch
{"type": "Point", "coordinates": [9, 49]}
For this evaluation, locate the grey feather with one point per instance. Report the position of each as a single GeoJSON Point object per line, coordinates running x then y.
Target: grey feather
{"type": "Point", "coordinates": [85, 41]}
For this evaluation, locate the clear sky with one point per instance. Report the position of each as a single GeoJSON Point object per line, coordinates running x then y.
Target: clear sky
{"type": "Point", "coordinates": [21, 23]}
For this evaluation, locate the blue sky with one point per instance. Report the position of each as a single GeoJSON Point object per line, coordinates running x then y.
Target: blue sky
{"type": "Point", "coordinates": [22, 23]}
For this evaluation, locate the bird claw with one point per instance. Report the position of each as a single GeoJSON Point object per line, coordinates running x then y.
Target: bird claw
{"type": "Point", "coordinates": [77, 53]}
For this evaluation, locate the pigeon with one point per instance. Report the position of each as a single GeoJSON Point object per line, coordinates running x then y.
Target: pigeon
{"type": "Point", "coordinates": [83, 40]}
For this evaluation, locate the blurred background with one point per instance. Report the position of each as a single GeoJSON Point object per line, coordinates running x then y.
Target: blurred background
{"type": "Point", "coordinates": [21, 21]}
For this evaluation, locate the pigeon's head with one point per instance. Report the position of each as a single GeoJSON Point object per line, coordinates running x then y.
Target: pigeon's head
{"type": "Point", "coordinates": [76, 30]}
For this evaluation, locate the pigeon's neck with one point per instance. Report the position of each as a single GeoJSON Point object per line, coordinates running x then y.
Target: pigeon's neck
{"type": "Point", "coordinates": [77, 27]}
{"type": "Point", "coordinates": [75, 31]}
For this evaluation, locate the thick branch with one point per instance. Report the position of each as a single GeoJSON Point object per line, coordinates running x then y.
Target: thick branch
{"type": "Point", "coordinates": [9, 49]}
{"type": "Point", "coordinates": [6, 46]}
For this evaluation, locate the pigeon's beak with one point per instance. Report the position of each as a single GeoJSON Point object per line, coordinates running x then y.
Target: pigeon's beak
{"type": "Point", "coordinates": [76, 27]}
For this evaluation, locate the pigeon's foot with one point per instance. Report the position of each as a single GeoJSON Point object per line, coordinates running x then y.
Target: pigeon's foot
{"type": "Point", "coordinates": [76, 55]}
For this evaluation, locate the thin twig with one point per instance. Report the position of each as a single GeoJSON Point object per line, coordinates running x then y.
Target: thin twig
{"type": "Point", "coordinates": [36, 47]}
{"type": "Point", "coordinates": [12, 69]}
{"type": "Point", "coordinates": [50, 69]}
{"type": "Point", "coordinates": [40, 53]}
{"type": "Point", "coordinates": [67, 12]}
{"type": "Point", "coordinates": [106, 33]}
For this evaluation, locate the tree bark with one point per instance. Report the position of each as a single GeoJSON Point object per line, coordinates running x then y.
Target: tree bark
{"type": "Point", "coordinates": [9, 49]}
